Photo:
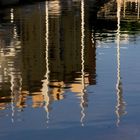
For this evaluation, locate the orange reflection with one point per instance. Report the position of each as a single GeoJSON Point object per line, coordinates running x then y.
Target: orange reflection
{"type": "Point", "coordinates": [55, 93]}
{"type": "Point", "coordinates": [56, 90]}
{"type": "Point", "coordinates": [21, 101]}
{"type": "Point", "coordinates": [3, 102]}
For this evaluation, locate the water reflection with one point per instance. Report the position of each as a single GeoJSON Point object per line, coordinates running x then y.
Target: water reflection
{"type": "Point", "coordinates": [82, 94]}
{"type": "Point", "coordinates": [129, 10]}
{"type": "Point", "coordinates": [47, 66]}
{"type": "Point", "coordinates": [134, 6]}
{"type": "Point", "coordinates": [48, 54]}
{"type": "Point", "coordinates": [45, 90]}
{"type": "Point", "coordinates": [12, 15]}
{"type": "Point", "coordinates": [54, 8]}
{"type": "Point", "coordinates": [120, 107]}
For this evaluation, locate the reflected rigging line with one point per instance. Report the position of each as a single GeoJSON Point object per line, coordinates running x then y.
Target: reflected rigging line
{"type": "Point", "coordinates": [12, 97]}
{"type": "Point", "coordinates": [13, 73]}
{"type": "Point", "coordinates": [120, 107]}
{"type": "Point", "coordinates": [82, 63]}
{"type": "Point", "coordinates": [45, 89]}
{"type": "Point", "coordinates": [12, 78]}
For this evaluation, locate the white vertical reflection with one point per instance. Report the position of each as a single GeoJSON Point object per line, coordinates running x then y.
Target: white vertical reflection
{"type": "Point", "coordinates": [12, 96]}
{"type": "Point", "coordinates": [14, 71]}
{"type": "Point", "coordinates": [82, 62]}
{"type": "Point", "coordinates": [16, 87]}
{"type": "Point", "coordinates": [45, 89]}
{"type": "Point", "coordinates": [120, 107]}
{"type": "Point", "coordinates": [12, 76]}
{"type": "Point", "coordinates": [12, 15]}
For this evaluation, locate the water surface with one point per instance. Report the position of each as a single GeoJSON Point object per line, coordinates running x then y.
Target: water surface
{"type": "Point", "coordinates": [70, 70]}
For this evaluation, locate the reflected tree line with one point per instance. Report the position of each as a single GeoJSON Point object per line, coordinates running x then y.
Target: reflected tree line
{"type": "Point", "coordinates": [47, 50]}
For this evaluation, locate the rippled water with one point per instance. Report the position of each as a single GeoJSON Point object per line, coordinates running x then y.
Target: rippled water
{"type": "Point", "coordinates": [70, 70]}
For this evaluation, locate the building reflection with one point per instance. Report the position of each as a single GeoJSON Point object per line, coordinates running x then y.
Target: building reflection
{"type": "Point", "coordinates": [129, 10]}
{"type": "Point", "coordinates": [45, 55]}
{"type": "Point", "coordinates": [47, 50]}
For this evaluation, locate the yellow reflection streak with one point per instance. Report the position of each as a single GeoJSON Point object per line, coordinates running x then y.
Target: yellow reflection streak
{"type": "Point", "coordinates": [45, 89]}
{"type": "Point", "coordinates": [120, 107]}
{"type": "Point", "coordinates": [82, 63]}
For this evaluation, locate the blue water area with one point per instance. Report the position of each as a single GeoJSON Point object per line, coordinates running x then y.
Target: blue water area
{"type": "Point", "coordinates": [70, 70]}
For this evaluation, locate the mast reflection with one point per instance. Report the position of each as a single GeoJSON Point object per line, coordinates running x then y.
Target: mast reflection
{"type": "Point", "coordinates": [45, 89]}
{"type": "Point", "coordinates": [120, 107]}
{"type": "Point", "coordinates": [14, 70]}
{"type": "Point", "coordinates": [82, 63]}
{"type": "Point", "coordinates": [12, 82]}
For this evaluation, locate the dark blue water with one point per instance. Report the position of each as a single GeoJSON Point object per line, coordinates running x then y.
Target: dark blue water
{"type": "Point", "coordinates": [70, 70]}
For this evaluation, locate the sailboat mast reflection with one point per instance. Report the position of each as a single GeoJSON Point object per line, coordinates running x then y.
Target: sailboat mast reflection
{"type": "Point", "coordinates": [120, 107]}
{"type": "Point", "coordinates": [82, 63]}
{"type": "Point", "coordinates": [12, 81]}
{"type": "Point", "coordinates": [45, 89]}
{"type": "Point", "coordinates": [12, 78]}
{"type": "Point", "coordinates": [14, 70]}
{"type": "Point", "coordinates": [12, 97]}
